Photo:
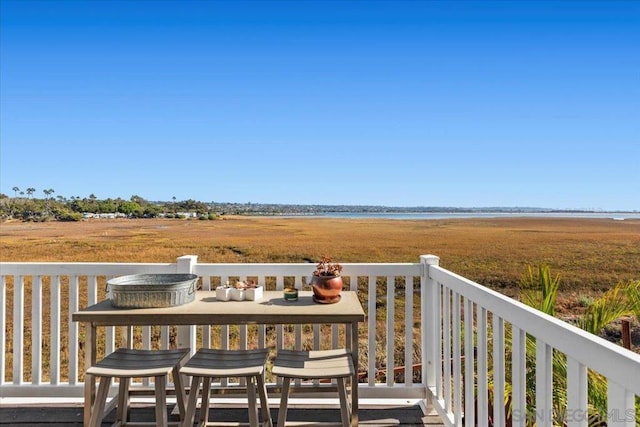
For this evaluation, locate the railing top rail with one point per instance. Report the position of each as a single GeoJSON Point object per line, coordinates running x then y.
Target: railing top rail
{"type": "Point", "coordinates": [306, 269]}
{"type": "Point", "coordinates": [203, 269]}
{"type": "Point", "coordinates": [590, 350]}
{"type": "Point", "coordinates": [82, 268]}
{"type": "Point", "coordinates": [17, 264]}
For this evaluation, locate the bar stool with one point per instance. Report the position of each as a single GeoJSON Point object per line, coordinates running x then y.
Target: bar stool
{"type": "Point", "coordinates": [208, 363]}
{"type": "Point", "coordinates": [127, 363]}
{"type": "Point", "coordinates": [318, 364]}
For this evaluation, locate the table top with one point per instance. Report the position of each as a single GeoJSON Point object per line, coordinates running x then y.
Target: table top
{"type": "Point", "coordinates": [207, 310]}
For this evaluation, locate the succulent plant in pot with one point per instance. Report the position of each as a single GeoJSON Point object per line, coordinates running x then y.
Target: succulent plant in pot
{"type": "Point", "coordinates": [326, 281]}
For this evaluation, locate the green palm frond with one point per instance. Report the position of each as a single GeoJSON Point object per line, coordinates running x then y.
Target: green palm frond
{"type": "Point", "coordinates": [633, 294]}
{"type": "Point", "coordinates": [540, 289]}
{"type": "Point", "coordinates": [611, 306]}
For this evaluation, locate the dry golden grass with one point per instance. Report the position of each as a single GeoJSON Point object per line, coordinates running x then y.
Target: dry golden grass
{"type": "Point", "coordinates": [590, 254]}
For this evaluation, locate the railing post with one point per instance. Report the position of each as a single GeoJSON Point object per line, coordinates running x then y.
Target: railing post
{"type": "Point", "coordinates": [186, 334]}
{"type": "Point", "coordinates": [18, 329]}
{"type": "Point", "coordinates": [36, 330]}
{"type": "Point", "coordinates": [428, 312]}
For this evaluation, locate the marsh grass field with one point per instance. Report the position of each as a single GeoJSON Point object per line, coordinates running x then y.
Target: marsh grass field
{"type": "Point", "coordinates": [589, 255]}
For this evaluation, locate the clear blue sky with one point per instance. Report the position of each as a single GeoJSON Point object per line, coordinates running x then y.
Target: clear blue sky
{"type": "Point", "coordinates": [399, 103]}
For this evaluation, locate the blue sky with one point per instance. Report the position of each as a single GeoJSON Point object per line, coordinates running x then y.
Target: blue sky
{"type": "Point", "coordinates": [401, 103]}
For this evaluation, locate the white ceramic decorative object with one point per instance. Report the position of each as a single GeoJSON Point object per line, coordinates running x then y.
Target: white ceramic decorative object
{"type": "Point", "coordinates": [223, 293]}
{"type": "Point", "coordinates": [237, 294]}
{"type": "Point", "coordinates": [253, 294]}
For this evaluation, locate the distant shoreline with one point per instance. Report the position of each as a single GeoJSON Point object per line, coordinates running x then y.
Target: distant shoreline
{"type": "Point", "coordinates": [620, 216]}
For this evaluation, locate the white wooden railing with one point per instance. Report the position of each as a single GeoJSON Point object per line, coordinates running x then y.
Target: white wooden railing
{"type": "Point", "coordinates": [482, 335]}
{"type": "Point", "coordinates": [473, 335]}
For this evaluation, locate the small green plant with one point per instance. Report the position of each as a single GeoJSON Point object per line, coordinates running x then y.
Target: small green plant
{"type": "Point", "coordinates": [585, 301]}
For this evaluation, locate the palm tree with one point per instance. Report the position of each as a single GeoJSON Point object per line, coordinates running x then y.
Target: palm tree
{"type": "Point", "coordinates": [541, 292]}
{"type": "Point", "coordinates": [15, 191]}
{"type": "Point", "coordinates": [47, 194]}
{"type": "Point", "coordinates": [30, 191]}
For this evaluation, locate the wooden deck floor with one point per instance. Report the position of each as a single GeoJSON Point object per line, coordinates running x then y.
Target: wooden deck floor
{"type": "Point", "coordinates": [70, 415]}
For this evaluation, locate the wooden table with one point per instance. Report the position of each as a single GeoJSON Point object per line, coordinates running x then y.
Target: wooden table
{"type": "Point", "coordinates": [206, 310]}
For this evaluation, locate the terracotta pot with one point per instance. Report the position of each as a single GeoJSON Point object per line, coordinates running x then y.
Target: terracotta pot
{"type": "Point", "coordinates": [326, 289]}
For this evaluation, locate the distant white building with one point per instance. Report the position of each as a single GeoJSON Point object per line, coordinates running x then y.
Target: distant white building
{"type": "Point", "coordinates": [89, 215]}
{"type": "Point", "coordinates": [187, 214]}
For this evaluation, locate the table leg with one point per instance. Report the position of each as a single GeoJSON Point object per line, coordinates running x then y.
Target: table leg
{"type": "Point", "coordinates": [89, 381]}
{"type": "Point", "coordinates": [354, 379]}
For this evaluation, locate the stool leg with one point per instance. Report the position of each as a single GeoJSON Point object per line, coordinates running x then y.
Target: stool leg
{"type": "Point", "coordinates": [179, 389]}
{"type": "Point", "coordinates": [204, 406]}
{"type": "Point", "coordinates": [100, 401]}
{"type": "Point", "coordinates": [123, 401]}
{"type": "Point", "coordinates": [264, 402]}
{"type": "Point", "coordinates": [284, 401]}
{"type": "Point", "coordinates": [192, 402]}
{"type": "Point", "coordinates": [345, 412]}
{"type": "Point", "coordinates": [161, 400]}
{"type": "Point", "coordinates": [251, 395]}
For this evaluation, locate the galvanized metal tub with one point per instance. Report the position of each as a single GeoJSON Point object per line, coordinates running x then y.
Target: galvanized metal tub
{"type": "Point", "coordinates": [152, 290]}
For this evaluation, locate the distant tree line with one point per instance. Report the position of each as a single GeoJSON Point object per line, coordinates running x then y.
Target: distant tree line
{"type": "Point", "coordinates": [26, 206]}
